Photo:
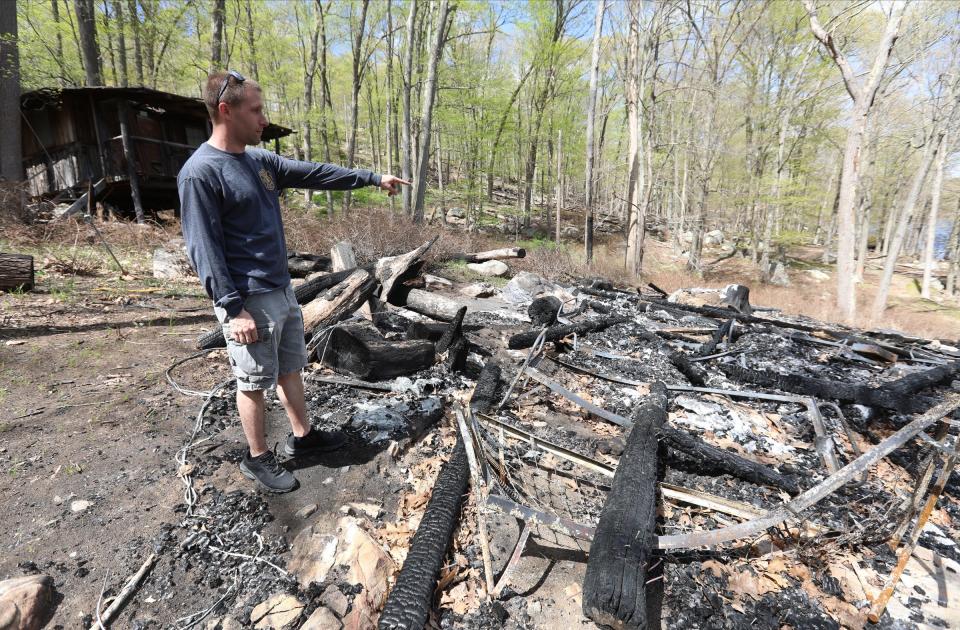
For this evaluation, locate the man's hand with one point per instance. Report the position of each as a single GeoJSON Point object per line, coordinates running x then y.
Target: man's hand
{"type": "Point", "coordinates": [392, 184]}
{"type": "Point", "coordinates": [243, 329]}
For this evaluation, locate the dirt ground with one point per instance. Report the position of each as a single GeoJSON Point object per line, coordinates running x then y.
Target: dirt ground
{"type": "Point", "coordinates": [89, 432]}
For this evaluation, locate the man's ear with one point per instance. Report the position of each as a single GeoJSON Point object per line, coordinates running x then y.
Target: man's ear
{"type": "Point", "coordinates": [223, 109]}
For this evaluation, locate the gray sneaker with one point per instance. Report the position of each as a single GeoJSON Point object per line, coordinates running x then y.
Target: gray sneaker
{"type": "Point", "coordinates": [267, 471]}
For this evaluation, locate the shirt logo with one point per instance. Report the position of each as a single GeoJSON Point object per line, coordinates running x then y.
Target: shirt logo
{"type": "Point", "coordinates": [267, 179]}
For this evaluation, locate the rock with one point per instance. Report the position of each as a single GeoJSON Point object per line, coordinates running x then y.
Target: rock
{"type": "Point", "coordinates": [816, 274]}
{"type": "Point", "coordinates": [494, 268]}
{"type": "Point", "coordinates": [26, 603]}
{"type": "Point", "coordinates": [312, 555]}
{"type": "Point", "coordinates": [687, 237]}
{"type": "Point", "coordinates": [306, 510]}
{"type": "Point", "coordinates": [436, 282]}
{"type": "Point", "coordinates": [335, 600]}
{"type": "Point", "coordinates": [223, 623]}
{"type": "Point", "coordinates": [276, 612]}
{"type": "Point", "coordinates": [79, 505]}
{"type": "Point", "coordinates": [479, 290]}
{"type": "Point", "coordinates": [571, 232]}
{"type": "Point", "coordinates": [456, 213]}
{"type": "Point", "coordinates": [779, 275]}
{"type": "Point", "coordinates": [322, 619]}
{"type": "Point", "coordinates": [525, 286]}
{"type": "Point", "coordinates": [370, 566]}
{"type": "Point", "coordinates": [171, 262]}
{"type": "Point", "coordinates": [371, 510]}
{"type": "Point", "coordinates": [713, 237]}
{"type": "Point", "coordinates": [57, 499]}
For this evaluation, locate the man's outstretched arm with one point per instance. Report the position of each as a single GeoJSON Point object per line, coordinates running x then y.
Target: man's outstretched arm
{"type": "Point", "coordinates": [319, 176]}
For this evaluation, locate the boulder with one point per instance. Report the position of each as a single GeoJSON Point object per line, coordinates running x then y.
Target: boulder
{"type": "Point", "coordinates": [479, 290]}
{"type": "Point", "coordinates": [26, 603]}
{"type": "Point", "coordinates": [276, 612]}
{"type": "Point", "coordinates": [819, 276]}
{"type": "Point", "coordinates": [495, 268]}
{"type": "Point", "coordinates": [526, 286]}
{"type": "Point", "coordinates": [779, 275]}
{"type": "Point", "coordinates": [713, 237]}
{"type": "Point", "coordinates": [456, 213]}
{"type": "Point", "coordinates": [571, 232]}
{"type": "Point", "coordinates": [171, 262]}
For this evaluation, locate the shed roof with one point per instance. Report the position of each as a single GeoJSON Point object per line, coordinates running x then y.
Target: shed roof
{"type": "Point", "coordinates": [167, 101]}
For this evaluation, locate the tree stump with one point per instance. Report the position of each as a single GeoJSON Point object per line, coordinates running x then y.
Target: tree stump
{"type": "Point", "coordinates": [16, 272]}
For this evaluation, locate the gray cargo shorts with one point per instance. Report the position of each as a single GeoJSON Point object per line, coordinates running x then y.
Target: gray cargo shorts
{"type": "Point", "coordinates": [280, 348]}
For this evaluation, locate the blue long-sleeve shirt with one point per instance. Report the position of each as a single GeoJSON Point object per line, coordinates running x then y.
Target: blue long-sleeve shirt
{"type": "Point", "coordinates": [230, 215]}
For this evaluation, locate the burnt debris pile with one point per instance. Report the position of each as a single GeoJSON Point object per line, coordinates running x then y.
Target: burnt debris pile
{"type": "Point", "coordinates": [706, 465]}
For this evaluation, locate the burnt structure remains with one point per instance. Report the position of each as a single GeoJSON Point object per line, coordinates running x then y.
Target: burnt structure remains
{"type": "Point", "coordinates": [118, 142]}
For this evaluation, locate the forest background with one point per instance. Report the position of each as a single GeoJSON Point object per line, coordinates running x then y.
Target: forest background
{"type": "Point", "coordinates": [783, 124]}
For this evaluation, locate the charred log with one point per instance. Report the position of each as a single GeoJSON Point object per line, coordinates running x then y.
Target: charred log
{"type": "Point", "coordinates": [543, 311]}
{"type": "Point", "coordinates": [485, 393]}
{"type": "Point", "coordinates": [361, 351]}
{"type": "Point", "coordinates": [899, 395]}
{"type": "Point", "coordinates": [617, 589]}
{"type": "Point", "coordinates": [556, 333]}
{"type": "Point", "coordinates": [301, 264]}
{"type": "Point", "coordinates": [411, 599]}
{"type": "Point", "coordinates": [728, 462]}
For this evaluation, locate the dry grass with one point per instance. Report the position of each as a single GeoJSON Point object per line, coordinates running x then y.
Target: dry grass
{"type": "Point", "coordinates": [72, 247]}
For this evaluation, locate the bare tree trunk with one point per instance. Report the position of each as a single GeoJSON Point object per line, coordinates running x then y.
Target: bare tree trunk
{"type": "Point", "coordinates": [87, 26]}
{"type": "Point", "coordinates": [407, 150]}
{"type": "Point", "coordinates": [216, 40]}
{"type": "Point", "coordinates": [121, 43]}
{"type": "Point", "coordinates": [591, 120]}
{"type": "Point", "coordinates": [309, 74]}
{"type": "Point", "coordinates": [250, 42]}
{"type": "Point", "coordinates": [559, 193]}
{"type": "Point", "coordinates": [954, 255]}
{"type": "Point", "coordinates": [863, 96]}
{"type": "Point", "coordinates": [427, 100]}
{"type": "Point", "coordinates": [108, 38]}
{"type": "Point", "coordinates": [359, 64]}
{"type": "Point", "coordinates": [137, 54]}
{"type": "Point", "coordinates": [928, 261]}
{"type": "Point", "coordinates": [391, 110]}
{"type": "Point", "coordinates": [500, 127]}
{"type": "Point", "coordinates": [934, 146]}
{"type": "Point", "coordinates": [55, 12]}
{"type": "Point", "coordinates": [11, 159]}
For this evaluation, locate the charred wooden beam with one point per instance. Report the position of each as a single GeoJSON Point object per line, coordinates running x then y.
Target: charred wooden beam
{"type": "Point", "coordinates": [337, 302]}
{"type": "Point", "coordinates": [556, 333]}
{"type": "Point", "coordinates": [622, 588]}
{"type": "Point", "coordinates": [411, 599]}
{"type": "Point", "coordinates": [899, 395]}
{"type": "Point", "coordinates": [361, 351]}
{"type": "Point", "coordinates": [728, 462]}
{"type": "Point", "coordinates": [300, 264]}
{"type": "Point", "coordinates": [485, 393]}
{"type": "Point", "coordinates": [16, 272]}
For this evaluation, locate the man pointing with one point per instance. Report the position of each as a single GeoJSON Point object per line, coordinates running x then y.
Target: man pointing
{"type": "Point", "coordinates": [230, 213]}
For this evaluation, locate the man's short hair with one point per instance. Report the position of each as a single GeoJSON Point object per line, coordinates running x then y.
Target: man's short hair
{"type": "Point", "coordinates": [233, 95]}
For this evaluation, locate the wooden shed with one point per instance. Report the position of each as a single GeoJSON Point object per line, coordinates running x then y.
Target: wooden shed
{"type": "Point", "coordinates": [73, 140]}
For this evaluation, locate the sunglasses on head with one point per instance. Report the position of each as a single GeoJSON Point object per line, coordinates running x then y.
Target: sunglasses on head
{"type": "Point", "coordinates": [239, 78]}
